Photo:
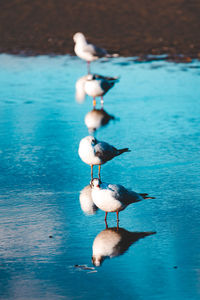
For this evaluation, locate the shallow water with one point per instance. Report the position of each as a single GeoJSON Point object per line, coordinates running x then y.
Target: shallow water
{"type": "Point", "coordinates": [44, 235]}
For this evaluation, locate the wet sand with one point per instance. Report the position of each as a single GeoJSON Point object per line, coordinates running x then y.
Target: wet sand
{"type": "Point", "coordinates": [130, 28]}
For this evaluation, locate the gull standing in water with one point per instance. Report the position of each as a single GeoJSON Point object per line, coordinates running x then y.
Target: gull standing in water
{"type": "Point", "coordinates": [94, 152]}
{"type": "Point", "coordinates": [98, 85]}
{"type": "Point", "coordinates": [88, 52]}
{"type": "Point", "coordinates": [113, 197]}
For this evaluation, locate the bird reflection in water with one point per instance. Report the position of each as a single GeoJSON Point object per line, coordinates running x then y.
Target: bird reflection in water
{"type": "Point", "coordinates": [97, 118]}
{"type": "Point", "coordinates": [80, 89]}
{"type": "Point", "coordinates": [86, 202]}
{"type": "Point", "coordinates": [113, 242]}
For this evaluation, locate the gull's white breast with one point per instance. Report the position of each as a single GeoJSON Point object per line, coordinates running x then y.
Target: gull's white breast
{"type": "Point", "coordinates": [81, 51]}
{"type": "Point", "coordinates": [87, 154]}
{"type": "Point", "coordinates": [93, 88]}
{"type": "Point", "coordinates": [105, 200]}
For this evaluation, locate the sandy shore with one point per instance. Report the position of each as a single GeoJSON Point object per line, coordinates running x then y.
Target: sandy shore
{"type": "Point", "coordinates": [130, 28]}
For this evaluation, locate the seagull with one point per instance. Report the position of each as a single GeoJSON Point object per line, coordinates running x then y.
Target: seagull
{"type": "Point", "coordinates": [97, 118]}
{"type": "Point", "coordinates": [113, 197]}
{"type": "Point", "coordinates": [98, 85]}
{"type": "Point", "coordinates": [94, 152]}
{"type": "Point", "coordinates": [86, 202]}
{"type": "Point", "coordinates": [112, 242]}
{"type": "Point", "coordinates": [88, 52]}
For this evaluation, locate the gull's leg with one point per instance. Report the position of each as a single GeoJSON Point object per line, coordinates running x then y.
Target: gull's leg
{"type": "Point", "coordinates": [106, 218]}
{"type": "Point", "coordinates": [106, 224]}
{"type": "Point", "coordinates": [88, 66]}
{"type": "Point", "coordinates": [102, 102]}
{"type": "Point", "coordinates": [91, 171]}
{"type": "Point", "coordinates": [99, 171]}
{"type": "Point", "coordinates": [117, 220]}
{"type": "Point", "coordinates": [117, 216]}
{"type": "Point", "coordinates": [94, 103]}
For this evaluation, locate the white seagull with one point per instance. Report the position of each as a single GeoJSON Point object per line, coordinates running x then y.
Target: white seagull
{"type": "Point", "coordinates": [88, 52]}
{"type": "Point", "coordinates": [113, 242]}
{"type": "Point", "coordinates": [94, 152]}
{"type": "Point", "coordinates": [98, 85]}
{"type": "Point", "coordinates": [113, 197]}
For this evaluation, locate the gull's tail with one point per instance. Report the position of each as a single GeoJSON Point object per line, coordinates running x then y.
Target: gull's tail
{"type": "Point", "coordinates": [146, 196]}
{"type": "Point", "coordinates": [120, 151]}
{"type": "Point", "coordinates": [109, 78]}
{"type": "Point", "coordinates": [135, 236]}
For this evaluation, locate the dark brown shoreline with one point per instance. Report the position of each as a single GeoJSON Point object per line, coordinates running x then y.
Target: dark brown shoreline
{"type": "Point", "coordinates": [130, 28]}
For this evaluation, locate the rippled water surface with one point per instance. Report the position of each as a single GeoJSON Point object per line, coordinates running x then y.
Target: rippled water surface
{"type": "Point", "coordinates": [45, 238]}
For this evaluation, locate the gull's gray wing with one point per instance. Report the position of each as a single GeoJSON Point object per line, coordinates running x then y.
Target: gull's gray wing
{"type": "Point", "coordinates": [105, 151]}
{"type": "Point", "coordinates": [94, 50]}
{"type": "Point", "coordinates": [106, 82]}
{"type": "Point", "coordinates": [120, 192]}
{"type": "Point", "coordinates": [124, 195]}
{"type": "Point", "coordinates": [106, 85]}
{"type": "Point", "coordinates": [98, 76]}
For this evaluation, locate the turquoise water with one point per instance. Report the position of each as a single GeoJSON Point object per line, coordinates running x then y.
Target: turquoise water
{"type": "Point", "coordinates": [44, 234]}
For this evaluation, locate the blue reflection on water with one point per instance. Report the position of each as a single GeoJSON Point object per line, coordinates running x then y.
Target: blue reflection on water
{"type": "Point", "coordinates": [44, 233]}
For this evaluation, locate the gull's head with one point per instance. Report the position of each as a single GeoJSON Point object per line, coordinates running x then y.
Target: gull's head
{"type": "Point", "coordinates": [95, 183]}
{"type": "Point", "coordinates": [87, 143]}
{"type": "Point", "coordinates": [97, 260]}
{"type": "Point", "coordinates": [91, 140]}
{"type": "Point", "coordinates": [78, 37]}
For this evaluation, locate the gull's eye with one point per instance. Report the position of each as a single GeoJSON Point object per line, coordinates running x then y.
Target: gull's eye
{"type": "Point", "coordinates": [93, 141]}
